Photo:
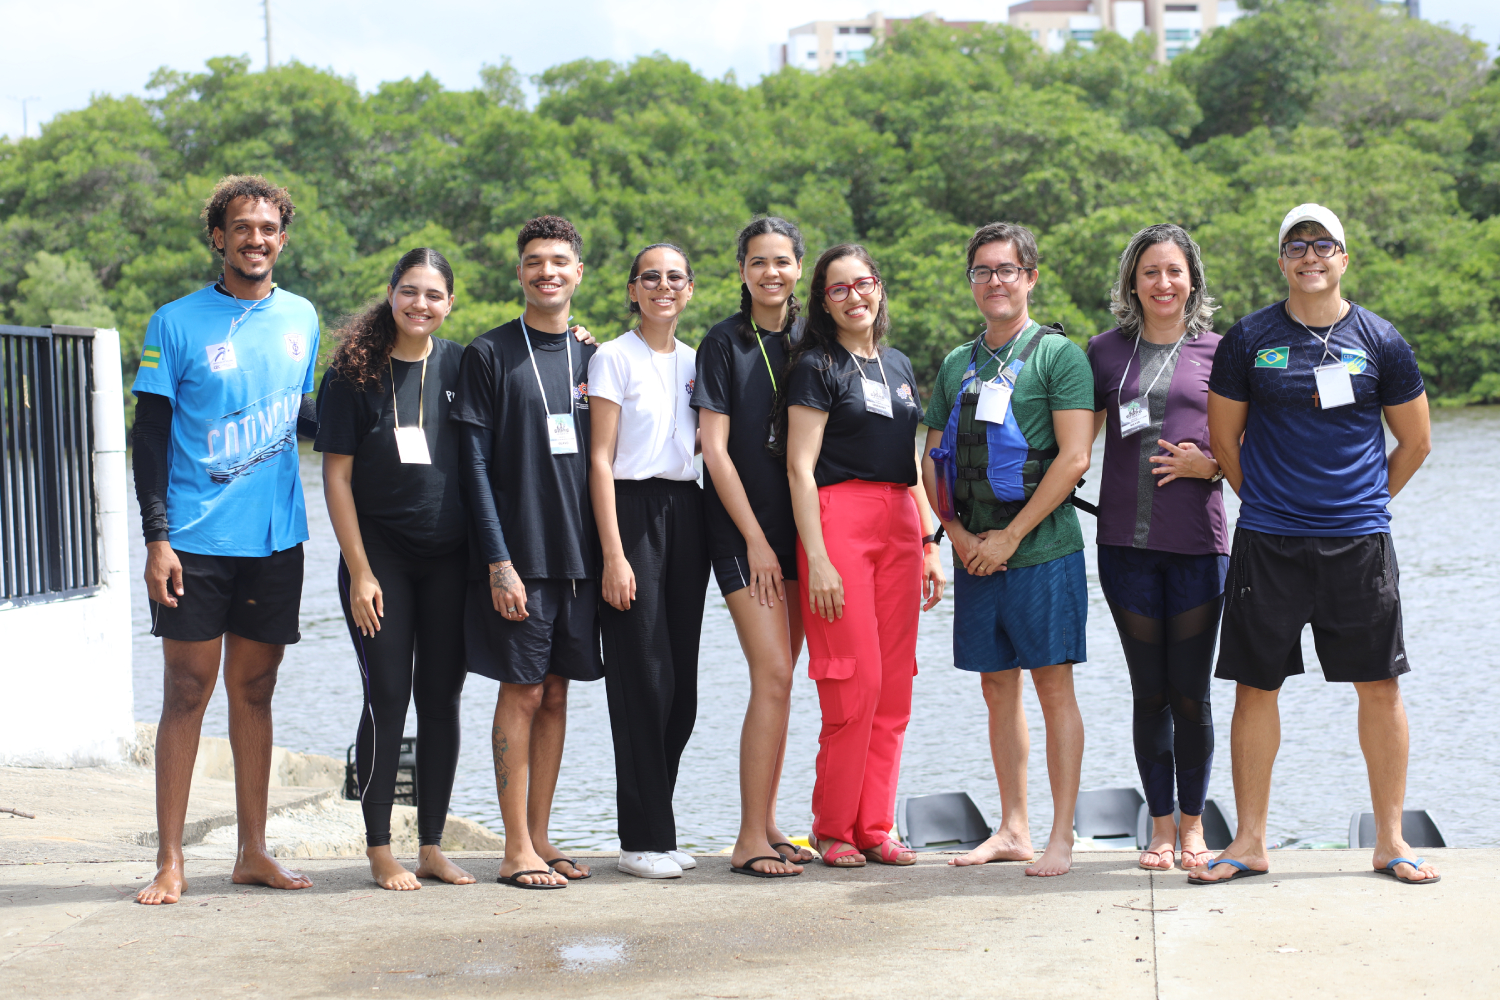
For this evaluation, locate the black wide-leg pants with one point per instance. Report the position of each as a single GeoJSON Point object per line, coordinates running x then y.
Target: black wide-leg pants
{"type": "Point", "coordinates": [651, 653]}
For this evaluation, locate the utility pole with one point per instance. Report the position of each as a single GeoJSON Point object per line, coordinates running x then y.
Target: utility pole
{"type": "Point", "coordinates": [25, 122]}
{"type": "Point", "coordinates": [266, 5]}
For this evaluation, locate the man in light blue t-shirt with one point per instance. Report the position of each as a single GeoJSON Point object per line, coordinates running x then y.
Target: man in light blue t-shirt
{"type": "Point", "coordinates": [219, 397]}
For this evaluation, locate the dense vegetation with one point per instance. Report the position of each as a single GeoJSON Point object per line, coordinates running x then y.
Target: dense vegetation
{"type": "Point", "coordinates": [1392, 122]}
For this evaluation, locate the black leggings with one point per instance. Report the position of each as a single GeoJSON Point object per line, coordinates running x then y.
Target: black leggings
{"type": "Point", "coordinates": [651, 653]}
{"type": "Point", "coordinates": [423, 623]}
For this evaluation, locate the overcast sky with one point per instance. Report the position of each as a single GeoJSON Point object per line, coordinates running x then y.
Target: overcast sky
{"type": "Point", "coordinates": [61, 52]}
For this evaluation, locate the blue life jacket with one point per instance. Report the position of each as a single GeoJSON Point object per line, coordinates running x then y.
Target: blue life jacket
{"type": "Point", "coordinates": [978, 462]}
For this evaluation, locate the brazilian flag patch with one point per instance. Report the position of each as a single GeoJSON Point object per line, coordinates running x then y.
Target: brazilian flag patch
{"type": "Point", "coordinates": [1271, 357]}
{"type": "Point", "coordinates": [150, 356]}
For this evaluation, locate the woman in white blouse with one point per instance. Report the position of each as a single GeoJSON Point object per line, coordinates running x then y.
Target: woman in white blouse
{"type": "Point", "coordinates": [649, 509]}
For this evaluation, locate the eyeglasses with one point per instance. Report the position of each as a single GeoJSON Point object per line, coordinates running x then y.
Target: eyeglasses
{"type": "Point", "coordinates": [651, 280]}
{"type": "Point", "coordinates": [1006, 273]}
{"type": "Point", "coordinates": [1298, 248]}
{"type": "Point", "coordinates": [864, 286]}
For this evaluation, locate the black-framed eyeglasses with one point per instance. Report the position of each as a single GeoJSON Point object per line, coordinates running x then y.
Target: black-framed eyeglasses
{"type": "Point", "coordinates": [864, 286]}
{"type": "Point", "coordinates": [1005, 272]}
{"type": "Point", "coordinates": [651, 280]}
{"type": "Point", "coordinates": [1296, 249]}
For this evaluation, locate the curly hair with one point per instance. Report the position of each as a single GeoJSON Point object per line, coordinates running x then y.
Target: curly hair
{"type": "Point", "coordinates": [1198, 311]}
{"type": "Point", "coordinates": [767, 225]}
{"type": "Point", "coordinates": [635, 269]}
{"type": "Point", "coordinates": [365, 339]}
{"type": "Point", "coordinates": [821, 333]}
{"type": "Point", "coordinates": [549, 227]}
{"type": "Point", "coordinates": [252, 186]}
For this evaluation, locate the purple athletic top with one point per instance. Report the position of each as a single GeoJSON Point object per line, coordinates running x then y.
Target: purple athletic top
{"type": "Point", "coordinates": [1187, 515]}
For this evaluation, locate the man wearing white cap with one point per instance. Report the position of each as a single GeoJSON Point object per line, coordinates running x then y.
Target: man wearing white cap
{"type": "Point", "coordinates": [1294, 417]}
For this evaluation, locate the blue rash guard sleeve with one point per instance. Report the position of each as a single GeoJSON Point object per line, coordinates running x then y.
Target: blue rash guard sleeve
{"type": "Point", "coordinates": [477, 442]}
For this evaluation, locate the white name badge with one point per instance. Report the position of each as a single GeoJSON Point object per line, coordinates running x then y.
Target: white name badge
{"type": "Point", "coordinates": [1135, 416]}
{"type": "Point", "coordinates": [411, 445]}
{"type": "Point", "coordinates": [221, 357]}
{"type": "Point", "coordinates": [1335, 386]}
{"type": "Point", "coordinates": [877, 397]}
{"type": "Point", "coordinates": [994, 401]}
{"type": "Point", "coordinates": [561, 435]}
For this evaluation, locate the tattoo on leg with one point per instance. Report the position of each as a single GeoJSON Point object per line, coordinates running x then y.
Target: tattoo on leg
{"type": "Point", "coordinates": [502, 769]}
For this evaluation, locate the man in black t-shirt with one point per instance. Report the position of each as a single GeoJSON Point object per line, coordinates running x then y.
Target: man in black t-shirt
{"type": "Point", "coordinates": [531, 619]}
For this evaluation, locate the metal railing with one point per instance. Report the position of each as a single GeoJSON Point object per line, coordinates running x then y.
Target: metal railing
{"type": "Point", "coordinates": [49, 534]}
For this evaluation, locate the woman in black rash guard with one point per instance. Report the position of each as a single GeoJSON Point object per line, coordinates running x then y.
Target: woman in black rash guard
{"type": "Point", "coordinates": [752, 538]}
{"type": "Point", "coordinates": [392, 483]}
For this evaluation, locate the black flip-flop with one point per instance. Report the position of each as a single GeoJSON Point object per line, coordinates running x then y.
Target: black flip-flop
{"type": "Point", "coordinates": [1242, 870]}
{"type": "Point", "coordinates": [1390, 869]}
{"type": "Point", "coordinates": [511, 880]}
{"type": "Point", "coordinates": [557, 861]}
{"type": "Point", "coordinates": [745, 869]}
{"type": "Point", "coordinates": [795, 850]}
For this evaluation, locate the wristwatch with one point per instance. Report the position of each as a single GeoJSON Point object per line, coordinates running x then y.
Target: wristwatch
{"type": "Point", "coordinates": [933, 538]}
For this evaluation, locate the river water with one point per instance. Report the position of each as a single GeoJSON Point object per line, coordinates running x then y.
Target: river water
{"type": "Point", "coordinates": [1449, 552]}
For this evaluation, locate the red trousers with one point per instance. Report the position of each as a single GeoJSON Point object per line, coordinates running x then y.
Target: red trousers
{"type": "Point", "coordinates": [864, 662]}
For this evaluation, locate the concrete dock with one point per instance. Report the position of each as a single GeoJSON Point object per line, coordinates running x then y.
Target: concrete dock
{"type": "Point", "coordinates": [1322, 925]}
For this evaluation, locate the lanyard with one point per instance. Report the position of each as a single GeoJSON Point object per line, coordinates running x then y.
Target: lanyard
{"type": "Point", "coordinates": [1327, 351]}
{"type": "Point", "coordinates": [1120, 392]}
{"type": "Point", "coordinates": [861, 361]}
{"type": "Point", "coordinates": [254, 305]}
{"type": "Point", "coordinates": [421, 390]}
{"type": "Point", "coordinates": [761, 341]}
{"type": "Point", "coordinates": [670, 394]}
{"type": "Point", "coordinates": [1009, 348]}
{"type": "Point", "coordinates": [538, 372]}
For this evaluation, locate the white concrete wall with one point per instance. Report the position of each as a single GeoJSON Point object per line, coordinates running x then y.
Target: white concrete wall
{"type": "Point", "coordinates": [65, 665]}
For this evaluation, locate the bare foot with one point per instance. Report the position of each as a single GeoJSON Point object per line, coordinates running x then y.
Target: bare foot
{"type": "Point", "coordinates": [1057, 859]}
{"type": "Point", "coordinates": [433, 863]}
{"type": "Point", "coordinates": [1247, 853]}
{"type": "Point", "coordinates": [744, 850]}
{"type": "Point", "coordinates": [566, 867]}
{"type": "Point", "coordinates": [1003, 846]}
{"type": "Point", "coordinates": [168, 885]}
{"type": "Point", "coordinates": [387, 871]}
{"type": "Point", "coordinates": [256, 867]}
{"type": "Point", "coordinates": [779, 842]}
{"type": "Point", "coordinates": [531, 862]}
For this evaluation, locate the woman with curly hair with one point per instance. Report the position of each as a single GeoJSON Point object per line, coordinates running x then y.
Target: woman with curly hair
{"type": "Point", "coordinates": [1163, 544]}
{"type": "Point", "coordinates": [866, 554]}
{"type": "Point", "coordinates": [392, 482]}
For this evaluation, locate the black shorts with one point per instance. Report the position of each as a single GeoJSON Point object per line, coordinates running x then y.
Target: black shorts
{"type": "Point", "coordinates": [559, 636]}
{"type": "Point", "coordinates": [1346, 588]}
{"type": "Point", "coordinates": [733, 572]}
{"type": "Point", "coordinates": [256, 598]}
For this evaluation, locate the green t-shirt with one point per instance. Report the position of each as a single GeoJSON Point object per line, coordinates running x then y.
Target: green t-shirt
{"type": "Point", "coordinates": [1057, 377]}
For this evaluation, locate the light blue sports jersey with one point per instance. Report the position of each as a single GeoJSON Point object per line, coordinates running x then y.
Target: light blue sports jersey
{"type": "Point", "coordinates": [232, 488]}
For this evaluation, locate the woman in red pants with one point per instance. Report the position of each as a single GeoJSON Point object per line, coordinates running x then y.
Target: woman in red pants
{"type": "Point", "coordinates": [851, 412]}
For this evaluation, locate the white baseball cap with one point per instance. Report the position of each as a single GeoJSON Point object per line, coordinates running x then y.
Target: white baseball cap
{"type": "Point", "coordinates": [1312, 213]}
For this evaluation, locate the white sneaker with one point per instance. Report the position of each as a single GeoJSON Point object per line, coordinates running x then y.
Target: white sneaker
{"type": "Point", "coordinates": [649, 864]}
{"type": "Point", "coordinates": [684, 861]}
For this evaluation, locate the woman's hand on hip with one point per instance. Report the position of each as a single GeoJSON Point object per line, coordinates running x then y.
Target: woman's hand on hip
{"type": "Point", "coordinates": [933, 579]}
{"type": "Point", "coordinates": [618, 583]}
{"type": "Point", "coordinates": [825, 589]}
{"type": "Point", "coordinates": [366, 603]}
{"type": "Point", "coordinates": [765, 573]}
{"type": "Point", "coordinates": [1185, 461]}
{"type": "Point", "coordinates": [507, 592]}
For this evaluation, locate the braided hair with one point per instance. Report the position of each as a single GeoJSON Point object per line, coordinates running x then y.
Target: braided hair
{"type": "Point", "coordinates": [767, 225]}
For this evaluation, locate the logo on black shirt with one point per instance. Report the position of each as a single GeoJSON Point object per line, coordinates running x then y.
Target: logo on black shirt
{"type": "Point", "coordinates": [581, 395]}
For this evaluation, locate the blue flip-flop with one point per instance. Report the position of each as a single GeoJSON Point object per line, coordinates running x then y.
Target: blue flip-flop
{"type": "Point", "coordinates": [1242, 871]}
{"type": "Point", "coordinates": [1390, 869]}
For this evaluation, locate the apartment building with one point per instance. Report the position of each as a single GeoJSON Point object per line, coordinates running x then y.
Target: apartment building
{"type": "Point", "coordinates": [1177, 26]}
{"type": "Point", "coordinates": [820, 45]}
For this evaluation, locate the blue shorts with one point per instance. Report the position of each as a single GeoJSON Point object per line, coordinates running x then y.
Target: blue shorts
{"type": "Point", "coordinates": [1029, 617]}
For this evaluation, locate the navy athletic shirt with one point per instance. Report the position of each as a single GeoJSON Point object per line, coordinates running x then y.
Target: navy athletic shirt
{"type": "Point", "coordinates": [1310, 471]}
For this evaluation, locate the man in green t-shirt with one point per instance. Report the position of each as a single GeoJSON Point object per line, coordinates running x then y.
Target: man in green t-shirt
{"type": "Point", "coordinates": [1013, 446]}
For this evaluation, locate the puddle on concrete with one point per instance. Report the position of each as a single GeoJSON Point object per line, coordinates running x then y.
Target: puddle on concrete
{"type": "Point", "coordinates": [591, 954]}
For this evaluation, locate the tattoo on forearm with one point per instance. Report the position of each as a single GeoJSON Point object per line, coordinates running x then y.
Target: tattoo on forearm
{"type": "Point", "coordinates": [502, 769]}
{"type": "Point", "coordinates": [504, 578]}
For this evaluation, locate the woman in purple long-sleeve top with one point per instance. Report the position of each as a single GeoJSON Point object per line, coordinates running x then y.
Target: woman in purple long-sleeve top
{"type": "Point", "coordinates": [1163, 546]}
